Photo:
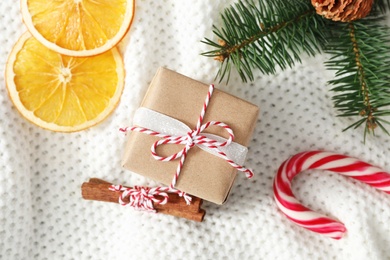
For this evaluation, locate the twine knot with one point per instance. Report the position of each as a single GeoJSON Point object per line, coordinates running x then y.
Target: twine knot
{"type": "Point", "coordinates": [140, 198]}
{"type": "Point", "coordinates": [190, 142]}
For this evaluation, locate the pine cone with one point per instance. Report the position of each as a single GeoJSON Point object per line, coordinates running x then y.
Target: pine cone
{"type": "Point", "coordinates": [343, 10]}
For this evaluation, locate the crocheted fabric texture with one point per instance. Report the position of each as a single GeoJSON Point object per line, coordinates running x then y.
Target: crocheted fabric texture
{"type": "Point", "coordinates": [42, 214]}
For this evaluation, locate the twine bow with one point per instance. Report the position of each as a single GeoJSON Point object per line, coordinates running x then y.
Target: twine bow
{"type": "Point", "coordinates": [190, 140]}
{"type": "Point", "coordinates": [140, 198]}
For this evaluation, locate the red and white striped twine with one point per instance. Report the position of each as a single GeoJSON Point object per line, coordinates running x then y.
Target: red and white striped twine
{"type": "Point", "coordinates": [191, 139]}
{"type": "Point", "coordinates": [341, 164]}
{"type": "Point", "coordinates": [140, 198]}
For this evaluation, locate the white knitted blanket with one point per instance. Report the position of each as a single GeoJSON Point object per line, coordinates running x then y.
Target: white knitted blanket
{"type": "Point", "coordinates": [42, 214]}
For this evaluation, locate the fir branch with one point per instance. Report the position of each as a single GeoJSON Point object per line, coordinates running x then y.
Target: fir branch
{"type": "Point", "coordinates": [380, 5]}
{"type": "Point", "coordinates": [361, 59]}
{"type": "Point", "coordinates": [265, 36]}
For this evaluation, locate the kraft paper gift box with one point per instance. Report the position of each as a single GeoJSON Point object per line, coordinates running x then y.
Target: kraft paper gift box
{"type": "Point", "coordinates": [203, 175]}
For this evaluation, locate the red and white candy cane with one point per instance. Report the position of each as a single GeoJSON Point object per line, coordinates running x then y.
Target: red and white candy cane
{"type": "Point", "coordinates": [341, 164]}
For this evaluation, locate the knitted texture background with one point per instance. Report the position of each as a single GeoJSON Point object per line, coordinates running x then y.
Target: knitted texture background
{"type": "Point", "coordinates": [42, 214]}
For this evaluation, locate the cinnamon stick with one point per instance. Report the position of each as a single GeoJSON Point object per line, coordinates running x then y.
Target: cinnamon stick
{"type": "Point", "coordinates": [97, 189]}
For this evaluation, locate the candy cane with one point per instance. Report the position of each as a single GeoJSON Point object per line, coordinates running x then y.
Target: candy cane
{"type": "Point", "coordinates": [341, 164]}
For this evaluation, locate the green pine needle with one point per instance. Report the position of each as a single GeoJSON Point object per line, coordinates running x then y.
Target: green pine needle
{"type": "Point", "coordinates": [381, 5]}
{"type": "Point", "coordinates": [265, 35]}
{"type": "Point", "coordinates": [361, 58]}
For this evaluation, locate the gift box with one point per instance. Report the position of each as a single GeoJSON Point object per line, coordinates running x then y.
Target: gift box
{"type": "Point", "coordinates": [174, 96]}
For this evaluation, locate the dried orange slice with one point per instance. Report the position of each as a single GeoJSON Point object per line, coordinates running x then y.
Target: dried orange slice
{"type": "Point", "coordinates": [78, 27]}
{"type": "Point", "coordinates": [63, 93]}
